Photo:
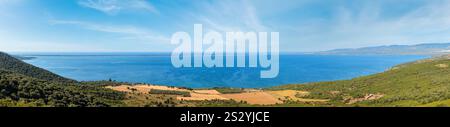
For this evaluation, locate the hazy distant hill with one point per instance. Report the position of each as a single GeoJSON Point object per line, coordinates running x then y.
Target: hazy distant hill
{"type": "Point", "coordinates": [10, 63]}
{"type": "Point", "coordinates": [420, 49]}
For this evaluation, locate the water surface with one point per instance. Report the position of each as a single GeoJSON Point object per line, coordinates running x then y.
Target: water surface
{"type": "Point", "coordinates": [156, 68]}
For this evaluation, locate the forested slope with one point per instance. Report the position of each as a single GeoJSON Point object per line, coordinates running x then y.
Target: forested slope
{"type": "Point", "coordinates": [418, 83]}
{"type": "Point", "coordinates": [10, 63]}
{"type": "Point", "coordinates": [22, 84]}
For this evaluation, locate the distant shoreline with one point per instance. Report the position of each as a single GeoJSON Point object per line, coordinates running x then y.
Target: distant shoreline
{"type": "Point", "coordinates": [157, 69]}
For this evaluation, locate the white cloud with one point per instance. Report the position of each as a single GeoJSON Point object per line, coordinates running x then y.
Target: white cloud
{"type": "Point", "coordinates": [271, 7]}
{"type": "Point", "coordinates": [228, 15]}
{"type": "Point", "coordinates": [130, 32]}
{"type": "Point", "coordinates": [39, 46]}
{"type": "Point", "coordinates": [368, 25]}
{"type": "Point", "coordinates": [113, 7]}
{"type": "Point", "coordinates": [418, 26]}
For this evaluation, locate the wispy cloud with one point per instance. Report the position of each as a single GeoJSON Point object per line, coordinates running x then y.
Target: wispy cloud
{"type": "Point", "coordinates": [369, 27]}
{"type": "Point", "coordinates": [228, 15]}
{"type": "Point", "coordinates": [113, 7]}
{"type": "Point", "coordinates": [129, 32]}
{"type": "Point", "coordinates": [304, 25]}
{"type": "Point", "coordinates": [373, 23]}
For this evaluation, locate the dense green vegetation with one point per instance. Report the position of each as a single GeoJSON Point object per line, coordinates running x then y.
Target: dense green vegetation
{"type": "Point", "coordinates": [170, 92]}
{"type": "Point", "coordinates": [103, 83]}
{"type": "Point", "coordinates": [20, 90]}
{"type": "Point", "coordinates": [227, 90]}
{"type": "Point", "coordinates": [22, 84]}
{"type": "Point", "coordinates": [222, 103]}
{"type": "Point", "coordinates": [413, 84]}
{"type": "Point", "coordinates": [13, 64]}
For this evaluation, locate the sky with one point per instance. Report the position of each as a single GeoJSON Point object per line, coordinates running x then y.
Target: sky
{"type": "Point", "coordinates": [147, 25]}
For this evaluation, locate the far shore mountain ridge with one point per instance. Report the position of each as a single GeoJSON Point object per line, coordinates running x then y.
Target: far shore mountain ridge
{"type": "Point", "coordinates": [420, 83]}
{"type": "Point", "coordinates": [419, 49]}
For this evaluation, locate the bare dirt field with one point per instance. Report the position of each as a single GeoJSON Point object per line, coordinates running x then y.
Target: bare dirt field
{"type": "Point", "coordinates": [261, 98]}
{"type": "Point", "coordinates": [442, 65]}
{"type": "Point", "coordinates": [143, 88]}
{"type": "Point", "coordinates": [212, 92]}
{"type": "Point", "coordinates": [201, 97]}
{"type": "Point", "coordinates": [287, 93]}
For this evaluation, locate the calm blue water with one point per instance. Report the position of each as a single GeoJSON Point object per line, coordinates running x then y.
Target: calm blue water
{"type": "Point", "coordinates": [156, 68]}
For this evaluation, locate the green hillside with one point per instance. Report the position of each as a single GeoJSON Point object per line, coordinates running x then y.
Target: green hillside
{"type": "Point", "coordinates": [20, 90]}
{"type": "Point", "coordinates": [421, 83]}
{"type": "Point", "coordinates": [13, 64]}
{"type": "Point", "coordinates": [23, 85]}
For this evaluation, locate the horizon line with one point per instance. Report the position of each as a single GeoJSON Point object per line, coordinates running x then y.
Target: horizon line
{"type": "Point", "coordinates": [246, 52]}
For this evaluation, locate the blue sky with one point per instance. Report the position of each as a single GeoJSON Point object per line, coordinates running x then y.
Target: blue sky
{"type": "Point", "coordinates": [147, 25]}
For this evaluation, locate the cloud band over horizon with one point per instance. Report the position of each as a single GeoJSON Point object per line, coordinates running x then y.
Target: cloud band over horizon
{"type": "Point", "coordinates": [147, 25]}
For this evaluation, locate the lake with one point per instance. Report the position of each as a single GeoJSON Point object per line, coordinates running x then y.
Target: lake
{"type": "Point", "coordinates": [156, 68]}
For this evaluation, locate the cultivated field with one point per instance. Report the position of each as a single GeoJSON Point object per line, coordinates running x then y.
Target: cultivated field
{"type": "Point", "coordinates": [143, 88]}
{"type": "Point", "coordinates": [250, 96]}
{"type": "Point", "coordinates": [261, 98]}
